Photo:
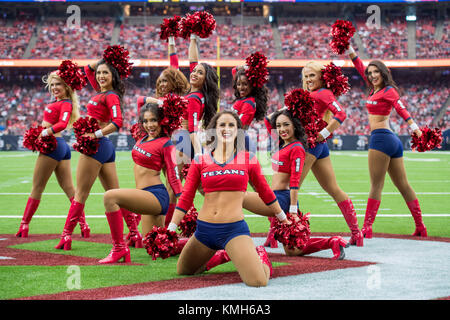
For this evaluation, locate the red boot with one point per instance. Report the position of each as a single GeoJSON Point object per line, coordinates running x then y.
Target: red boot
{"type": "Point", "coordinates": [336, 244]}
{"type": "Point", "coordinates": [264, 258]}
{"type": "Point", "coordinates": [84, 227]}
{"type": "Point", "coordinates": [414, 207]}
{"type": "Point", "coordinates": [371, 212]}
{"type": "Point", "coordinates": [75, 211]}
{"type": "Point", "coordinates": [30, 209]}
{"type": "Point", "coordinates": [169, 214]}
{"type": "Point", "coordinates": [349, 213]}
{"type": "Point", "coordinates": [181, 243]}
{"type": "Point", "coordinates": [134, 237]}
{"type": "Point", "coordinates": [120, 249]}
{"type": "Point", "coordinates": [271, 241]}
{"type": "Point", "coordinates": [220, 257]}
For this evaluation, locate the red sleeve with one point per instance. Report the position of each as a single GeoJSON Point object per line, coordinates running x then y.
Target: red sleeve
{"type": "Point", "coordinates": [171, 167]}
{"type": "Point", "coordinates": [140, 103]}
{"type": "Point", "coordinates": [297, 160]}
{"type": "Point", "coordinates": [90, 74]}
{"type": "Point", "coordinates": [357, 62]}
{"type": "Point", "coordinates": [329, 99]}
{"type": "Point", "coordinates": [392, 96]}
{"type": "Point", "coordinates": [270, 130]}
{"type": "Point", "coordinates": [192, 65]}
{"type": "Point", "coordinates": [194, 112]}
{"type": "Point", "coordinates": [259, 182]}
{"type": "Point", "coordinates": [190, 186]}
{"type": "Point", "coordinates": [173, 59]}
{"type": "Point", "coordinates": [247, 112]}
{"type": "Point", "coordinates": [233, 71]}
{"type": "Point", "coordinates": [64, 117]}
{"type": "Point", "coordinates": [113, 104]}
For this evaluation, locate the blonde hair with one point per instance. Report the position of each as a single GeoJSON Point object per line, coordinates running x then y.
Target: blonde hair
{"type": "Point", "coordinates": [316, 67]}
{"type": "Point", "coordinates": [47, 79]}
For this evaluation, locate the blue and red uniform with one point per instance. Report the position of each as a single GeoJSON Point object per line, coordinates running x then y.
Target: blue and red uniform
{"type": "Point", "coordinates": [381, 103]}
{"type": "Point", "coordinates": [158, 154]}
{"type": "Point", "coordinates": [245, 109]}
{"type": "Point", "coordinates": [104, 107]}
{"type": "Point", "coordinates": [58, 115]}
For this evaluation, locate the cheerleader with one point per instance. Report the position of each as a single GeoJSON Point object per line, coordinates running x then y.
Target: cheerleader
{"type": "Point", "coordinates": [150, 154]}
{"type": "Point", "coordinates": [318, 158]}
{"type": "Point", "coordinates": [106, 108]}
{"type": "Point", "coordinates": [385, 148]}
{"type": "Point", "coordinates": [224, 173]}
{"type": "Point", "coordinates": [287, 164]}
{"type": "Point", "coordinates": [58, 116]}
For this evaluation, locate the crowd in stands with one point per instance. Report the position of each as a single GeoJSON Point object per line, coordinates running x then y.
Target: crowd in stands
{"type": "Point", "coordinates": [15, 36]}
{"type": "Point", "coordinates": [427, 46]}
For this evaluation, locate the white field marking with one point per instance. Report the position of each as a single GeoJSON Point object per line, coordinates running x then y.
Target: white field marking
{"type": "Point", "coordinates": [6, 258]}
{"type": "Point", "coordinates": [403, 215]}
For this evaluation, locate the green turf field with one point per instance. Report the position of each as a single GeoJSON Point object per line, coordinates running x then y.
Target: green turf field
{"type": "Point", "coordinates": [428, 173]}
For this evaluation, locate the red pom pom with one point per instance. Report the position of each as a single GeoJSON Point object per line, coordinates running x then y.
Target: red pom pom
{"type": "Point", "coordinates": [257, 73]}
{"type": "Point", "coordinates": [201, 23]}
{"type": "Point", "coordinates": [137, 131]}
{"type": "Point", "coordinates": [161, 243]}
{"type": "Point", "coordinates": [334, 79]}
{"type": "Point", "coordinates": [341, 33]}
{"type": "Point", "coordinates": [117, 56]}
{"type": "Point", "coordinates": [294, 235]}
{"type": "Point", "coordinates": [189, 222]}
{"type": "Point", "coordinates": [430, 139]}
{"type": "Point", "coordinates": [45, 144]}
{"type": "Point", "coordinates": [169, 28]}
{"type": "Point", "coordinates": [173, 107]}
{"type": "Point", "coordinates": [72, 75]}
{"type": "Point", "coordinates": [85, 145]}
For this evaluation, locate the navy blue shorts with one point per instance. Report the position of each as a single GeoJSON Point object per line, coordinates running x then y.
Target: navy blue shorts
{"type": "Point", "coordinates": [320, 151]}
{"type": "Point", "coordinates": [160, 192]}
{"type": "Point", "coordinates": [62, 151]}
{"type": "Point", "coordinates": [216, 235]}
{"type": "Point", "coordinates": [106, 152]}
{"type": "Point", "coordinates": [386, 141]}
{"type": "Point", "coordinates": [182, 140]}
{"type": "Point", "coordinates": [284, 199]}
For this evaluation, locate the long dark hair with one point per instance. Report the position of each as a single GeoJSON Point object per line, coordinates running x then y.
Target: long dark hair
{"type": "Point", "coordinates": [211, 138]}
{"type": "Point", "coordinates": [210, 90]}
{"type": "Point", "coordinates": [117, 83]}
{"type": "Point", "coordinates": [156, 110]}
{"type": "Point", "coordinates": [385, 74]}
{"type": "Point", "coordinates": [299, 131]}
{"type": "Point", "coordinates": [260, 95]}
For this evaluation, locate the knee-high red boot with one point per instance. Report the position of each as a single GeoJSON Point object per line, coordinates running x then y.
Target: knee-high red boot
{"type": "Point", "coordinates": [336, 244]}
{"type": "Point", "coordinates": [84, 227]}
{"type": "Point", "coordinates": [30, 209]}
{"type": "Point", "coordinates": [169, 214]}
{"type": "Point", "coordinates": [349, 213]}
{"type": "Point", "coordinates": [414, 207]}
{"type": "Point", "coordinates": [271, 241]}
{"type": "Point", "coordinates": [371, 213]}
{"type": "Point", "coordinates": [75, 211]}
{"type": "Point", "coordinates": [134, 237]}
{"type": "Point", "coordinates": [120, 249]}
{"type": "Point", "coordinates": [220, 257]}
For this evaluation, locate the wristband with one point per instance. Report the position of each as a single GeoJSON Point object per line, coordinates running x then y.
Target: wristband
{"type": "Point", "coordinates": [172, 41]}
{"type": "Point", "coordinates": [172, 226]}
{"type": "Point", "coordinates": [350, 50]}
{"type": "Point", "coordinates": [160, 102]}
{"type": "Point", "coordinates": [281, 216]}
{"type": "Point", "coordinates": [98, 133]}
{"type": "Point", "coordinates": [44, 133]}
{"type": "Point", "coordinates": [325, 133]}
{"type": "Point", "coordinates": [293, 209]}
{"type": "Point", "coordinates": [194, 36]}
{"type": "Point", "coordinates": [414, 126]}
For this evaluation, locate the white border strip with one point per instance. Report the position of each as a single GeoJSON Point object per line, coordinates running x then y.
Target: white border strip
{"type": "Point", "coordinates": [405, 215]}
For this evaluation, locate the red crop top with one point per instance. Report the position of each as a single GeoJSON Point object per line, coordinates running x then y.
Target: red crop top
{"type": "Point", "coordinates": [232, 175]}
{"type": "Point", "coordinates": [156, 154]}
{"type": "Point", "coordinates": [290, 159]}
{"type": "Point", "coordinates": [245, 109]}
{"type": "Point", "coordinates": [381, 102]}
{"type": "Point", "coordinates": [194, 111]}
{"type": "Point", "coordinates": [105, 106]}
{"type": "Point", "coordinates": [58, 114]}
{"type": "Point", "coordinates": [324, 100]}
